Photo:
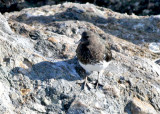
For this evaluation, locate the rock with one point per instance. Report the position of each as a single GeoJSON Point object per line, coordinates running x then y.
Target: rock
{"type": "Point", "coordinates": [141, 107]}
{"type": "Point", "coordinates": [77, 107]}
{"type": "Point", "coordinates": [39, 71]}
{"type": "Point", "coordinates": [5, 102]}
{"type": "Point", "coordinates": [4, 25]}
{"type": "Point", "coordinates": [46, 101]}
{"type": "Point", "coordinates": [113, 90]}
{"type": "Point", "coordinates": [39, 108]}
{"type": "Point", "coordinates": [137, 7]}
{"type": "Point", "coordinates": [52, 39]}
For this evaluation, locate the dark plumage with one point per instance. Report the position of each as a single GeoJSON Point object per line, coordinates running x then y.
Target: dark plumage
{"type": "Point", "coordinates": [92, 50]}
{"type": "Point", "coordinates": [93, 53]}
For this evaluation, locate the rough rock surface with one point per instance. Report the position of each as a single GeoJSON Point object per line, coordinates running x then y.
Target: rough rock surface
{"type": "Point", "coordinates": [140, 107]}
{"type": "Point", "coordinates": [39, 72]}
{"type": "Point", "coordinates": [138, 7]}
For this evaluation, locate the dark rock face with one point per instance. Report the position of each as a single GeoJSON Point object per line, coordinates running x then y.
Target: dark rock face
{"type": "Point", "coordinates": [39, 72]}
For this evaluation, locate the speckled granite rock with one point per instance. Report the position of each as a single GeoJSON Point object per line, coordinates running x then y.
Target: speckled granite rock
{"type": "Point", "coordinates": [39, 72]}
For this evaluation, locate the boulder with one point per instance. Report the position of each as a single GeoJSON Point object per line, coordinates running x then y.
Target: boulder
{"type": "Point", "coordinates": [39, 72]}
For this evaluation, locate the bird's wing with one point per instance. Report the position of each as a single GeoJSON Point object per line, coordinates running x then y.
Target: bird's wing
{"type": "Point", "coordinates": [83, 53]}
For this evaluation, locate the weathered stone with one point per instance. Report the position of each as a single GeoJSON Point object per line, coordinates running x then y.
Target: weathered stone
{"type": "Point", "coordinates": [113, 90]}
{"type": "Point", "coordinates": [41, 75]}
{"type": "Point", "coordinates": [46, 101]}
{"type": "Point", "coordinates": [39, 108]}
{"type": "Point", "coordinates": [4, 25]}
{"type": "Point", "coordinates": [77, 107]}
{"type": "Point", "coordinates": [141, 107]}
{"type": "Point", "coordinates": [142, 7]}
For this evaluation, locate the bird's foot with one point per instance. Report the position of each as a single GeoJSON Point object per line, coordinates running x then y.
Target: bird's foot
{"type": "Point", "coordinates": [85, 85]}
{"type": "Point", "coordinates": [97, 85]}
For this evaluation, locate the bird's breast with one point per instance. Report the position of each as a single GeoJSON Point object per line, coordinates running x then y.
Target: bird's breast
{"type": "Point", "coordinates": [94, 67]}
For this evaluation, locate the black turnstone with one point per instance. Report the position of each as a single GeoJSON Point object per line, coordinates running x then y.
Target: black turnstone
{"type": "Point", "coordinates": [93, 54]}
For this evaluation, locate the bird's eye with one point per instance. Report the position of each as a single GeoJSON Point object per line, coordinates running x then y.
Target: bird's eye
{"type": "Point", "coordinates": [87, 37]}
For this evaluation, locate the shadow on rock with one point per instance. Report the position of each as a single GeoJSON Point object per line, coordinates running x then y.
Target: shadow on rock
{"type": "Point", "coordinates": [110, 24]}
{"type": "Point", "coordinates": [68, 70]}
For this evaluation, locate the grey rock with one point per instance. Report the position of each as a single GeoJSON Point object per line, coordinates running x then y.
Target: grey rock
{"type": "Point", "coordinates": [42, 75]}
{"type": "Point", "coordinates": [140, 107]}
{"type": "Point", "coordinates": [4, 25]}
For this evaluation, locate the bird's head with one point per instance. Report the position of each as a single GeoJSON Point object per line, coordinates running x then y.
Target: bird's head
{"type": "Point", "coordinates": [86, 36]}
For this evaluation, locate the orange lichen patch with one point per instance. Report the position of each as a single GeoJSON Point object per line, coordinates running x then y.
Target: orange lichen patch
{"type": "Point", "coordinates": [52, 39]}
{"type": "Point", "coordinates": [25, 91]}
{"type": "Point", "coordinates": [26, 64]}
{"type": "Point", "coordinates": [22, 65]}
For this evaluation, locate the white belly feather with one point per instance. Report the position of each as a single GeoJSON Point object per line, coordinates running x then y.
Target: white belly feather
{"type": "Point", "coordinates": [96, 67]}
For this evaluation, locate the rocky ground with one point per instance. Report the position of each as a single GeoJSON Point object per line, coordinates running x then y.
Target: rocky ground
{"type": "Point", "coordinates": [138, 7]}
{"type": "Point", "coordinates": [39, 72]}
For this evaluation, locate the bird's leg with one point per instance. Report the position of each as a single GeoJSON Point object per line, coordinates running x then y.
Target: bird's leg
{"type": "Point", "coordinates": [86, 81]}
{"type": "Point", "coordinates": [99, 75]}
{"type": "Point", "coordinates": [97, 80]}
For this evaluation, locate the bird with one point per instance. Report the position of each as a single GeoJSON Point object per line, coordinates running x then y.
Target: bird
{"type": "Point", "coordinates": [94, 54]}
